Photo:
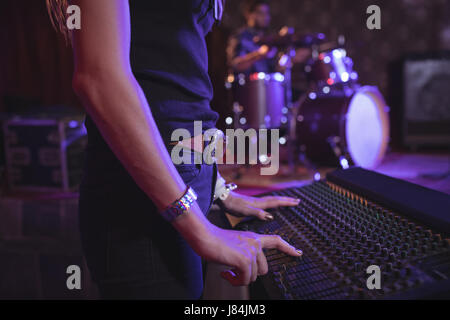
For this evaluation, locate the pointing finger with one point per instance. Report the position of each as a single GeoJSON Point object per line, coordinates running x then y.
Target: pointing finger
{"type": "Point", "coordinates": [276, 242]}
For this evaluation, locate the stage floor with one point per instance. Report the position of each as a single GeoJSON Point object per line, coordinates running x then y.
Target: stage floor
{"type": "Point", "coordinates": [431, 170]}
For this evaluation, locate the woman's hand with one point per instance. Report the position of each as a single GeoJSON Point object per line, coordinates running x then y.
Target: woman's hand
{"type": "Point", "coordinates": [244, 206]}
{"type": "Point", "coordinates": [243, 253]}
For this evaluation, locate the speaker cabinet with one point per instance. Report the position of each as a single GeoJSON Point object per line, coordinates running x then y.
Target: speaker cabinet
{"type": "Point", "coordinates": [420, 100]}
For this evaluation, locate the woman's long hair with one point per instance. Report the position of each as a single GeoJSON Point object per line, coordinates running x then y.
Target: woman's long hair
{"type": "Point", "coordinates": [57, 11]}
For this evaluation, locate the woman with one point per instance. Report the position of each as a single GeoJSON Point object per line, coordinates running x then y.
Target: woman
{"type": "Point", "coordinates": [133, 105]}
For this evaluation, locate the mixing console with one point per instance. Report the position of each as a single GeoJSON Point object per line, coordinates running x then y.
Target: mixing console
{"type": "Point", "coordinates": [343, 232]}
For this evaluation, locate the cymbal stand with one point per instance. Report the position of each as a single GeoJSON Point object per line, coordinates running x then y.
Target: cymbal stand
{"type": "Point", "coordinates": [289, 104]}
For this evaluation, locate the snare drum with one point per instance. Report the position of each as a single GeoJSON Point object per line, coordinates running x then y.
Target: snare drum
{"type": "Point", "coordinates": [262, 97]}
{"type": "Point", "coordinates": [357, 123]}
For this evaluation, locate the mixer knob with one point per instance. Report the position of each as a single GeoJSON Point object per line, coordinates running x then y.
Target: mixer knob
{"type": "Point", "coordinates": [408, 271]}
{"type": "Point", "coordinates": [392, 257]}
{"type": "Point", "coordinates": [389, 267]}
{"type": "Point", "coordinates": [378, 247]}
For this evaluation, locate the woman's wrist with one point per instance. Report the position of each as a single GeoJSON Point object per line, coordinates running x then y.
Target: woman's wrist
{"type": "Point", "coordinates": [179, 207]}
{"type": "Point", "coordinates": [194, 227]}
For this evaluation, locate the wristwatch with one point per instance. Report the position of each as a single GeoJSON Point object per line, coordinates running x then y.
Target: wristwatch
{"type": "Point", "coordinates": [180, 206]}
{"type": "Point", "coordinates": [222, 190]}
{"type": "Point", "coordinates": [228, 188]}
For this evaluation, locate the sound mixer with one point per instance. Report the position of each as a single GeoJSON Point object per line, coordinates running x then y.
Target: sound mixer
{"type": "Point", "coordinates": [341, 237]}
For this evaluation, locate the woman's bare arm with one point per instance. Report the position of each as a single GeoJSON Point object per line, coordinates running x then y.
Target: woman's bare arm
{"type": "Point", "coordinates": [112, 97]}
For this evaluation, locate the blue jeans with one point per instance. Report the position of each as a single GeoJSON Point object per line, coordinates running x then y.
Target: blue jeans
{"type": "Point", "coordinates": [131, 252]}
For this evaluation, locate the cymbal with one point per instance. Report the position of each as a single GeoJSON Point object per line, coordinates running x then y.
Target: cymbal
{"type": "Point", "coordinates": [288, 40]}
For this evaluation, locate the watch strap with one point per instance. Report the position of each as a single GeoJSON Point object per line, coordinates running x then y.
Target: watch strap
{"type": "Point", "coordinates": [179, 207]}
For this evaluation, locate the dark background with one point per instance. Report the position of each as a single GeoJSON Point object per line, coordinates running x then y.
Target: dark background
{"type": "Point", "coordinates": [407, 26]}
{"type": "Point", "coordinates": [36, 65]}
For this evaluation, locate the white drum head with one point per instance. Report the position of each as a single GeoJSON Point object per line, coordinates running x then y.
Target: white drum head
{"type": "Point", "coordinates": [367, 128]}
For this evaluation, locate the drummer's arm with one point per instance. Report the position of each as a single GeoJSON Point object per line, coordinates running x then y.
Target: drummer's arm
{"type": "Point", "coordinates": [245, 62]}
{"type": "Point", "coordinates": [242, 62]}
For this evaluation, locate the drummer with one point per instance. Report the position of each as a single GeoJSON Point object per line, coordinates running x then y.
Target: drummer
{"type": "Point", "coordinates": [247, 57]}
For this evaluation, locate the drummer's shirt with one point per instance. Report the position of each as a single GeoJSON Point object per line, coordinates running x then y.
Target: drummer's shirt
{"type": "Point", "coordinates": [242, 44]}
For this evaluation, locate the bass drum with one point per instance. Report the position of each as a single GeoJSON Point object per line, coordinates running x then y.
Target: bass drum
{"type": "Point", "coordinates": [357, 125]}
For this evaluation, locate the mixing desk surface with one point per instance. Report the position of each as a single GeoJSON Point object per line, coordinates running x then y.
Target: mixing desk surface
{"type": "Point", "coordinates": [363, 236]}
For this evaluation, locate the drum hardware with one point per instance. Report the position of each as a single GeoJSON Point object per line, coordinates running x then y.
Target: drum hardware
{"type": "Point", "coordinates": [335, 145]}
{"type": "Point", "coordinates": [289, 104]}
{"type": "Point", "coordinates": [237, 112]}
{"type": "Point", "coordinates": [288, 38]}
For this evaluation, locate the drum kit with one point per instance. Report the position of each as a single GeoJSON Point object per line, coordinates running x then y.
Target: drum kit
{"type": "Point", "coordinates": [336, 122]}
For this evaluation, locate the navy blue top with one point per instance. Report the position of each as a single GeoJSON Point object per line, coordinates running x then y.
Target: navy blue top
{"type": "Point", "coordinates": [241, 44]}
{"type": "Point", "coordinates": [169, 59]}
